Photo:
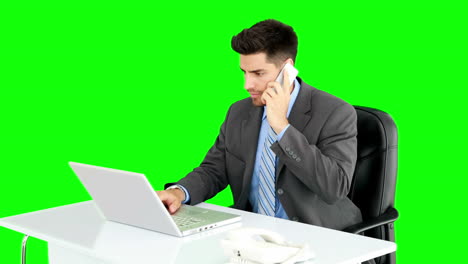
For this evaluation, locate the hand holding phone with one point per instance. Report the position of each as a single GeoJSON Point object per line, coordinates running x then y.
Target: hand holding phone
{"type": "Point", "coordinates": [292, 74]}
{"type": "Point", "coordinates": [276, 97]}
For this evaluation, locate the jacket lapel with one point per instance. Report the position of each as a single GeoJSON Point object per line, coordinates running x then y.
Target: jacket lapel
{"type": "Point", "coordinates": [249, 136]}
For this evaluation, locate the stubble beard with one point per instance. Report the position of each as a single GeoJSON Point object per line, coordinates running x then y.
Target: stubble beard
{"type": "Point", "coordinates": [257, 101]}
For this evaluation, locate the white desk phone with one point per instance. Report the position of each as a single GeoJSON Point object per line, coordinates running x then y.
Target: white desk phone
{"type": "Point", "coordinates": [260, 246]}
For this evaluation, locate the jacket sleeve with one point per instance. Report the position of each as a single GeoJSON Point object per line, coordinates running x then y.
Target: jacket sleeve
{"type": "Point", "coordinates": [209, 178]}
{"type": "Point", "coordinates": [327, 167]}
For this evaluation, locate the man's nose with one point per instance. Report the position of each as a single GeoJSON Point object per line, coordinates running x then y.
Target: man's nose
{"type": "Point", "coordinates": [248, 84]}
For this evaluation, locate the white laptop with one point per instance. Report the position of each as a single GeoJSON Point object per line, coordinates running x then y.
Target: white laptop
{"type": "Point", "coordinates": [128, 198]}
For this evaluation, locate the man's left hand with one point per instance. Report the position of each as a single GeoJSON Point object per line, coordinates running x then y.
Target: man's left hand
{"type": "Point", "coordinates": [276, 97]}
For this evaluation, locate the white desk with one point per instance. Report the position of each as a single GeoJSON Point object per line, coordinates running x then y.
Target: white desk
{"type": "Point", "coordinates": [77, 233]}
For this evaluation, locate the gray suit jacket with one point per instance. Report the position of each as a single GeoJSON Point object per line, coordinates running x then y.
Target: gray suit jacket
{"type": "Point", "coordinates": [316, 159]}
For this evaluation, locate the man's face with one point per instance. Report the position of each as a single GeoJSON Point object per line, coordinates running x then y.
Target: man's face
{"type": "Point", "coordinates": [257, 73]}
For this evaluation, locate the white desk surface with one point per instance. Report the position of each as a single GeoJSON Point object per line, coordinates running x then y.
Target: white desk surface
{"type": "Point", "coordinates": [80, 227]}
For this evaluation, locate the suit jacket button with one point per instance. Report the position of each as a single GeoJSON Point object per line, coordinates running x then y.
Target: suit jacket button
{"type": "Point", "coordinates": [294, 156]}
{"type": "Point", "coordinates": [298, 159]}
{"type": "Point", "coordinates": [280, 191]}
{"type": "Point", "coordinates": [288, 149]}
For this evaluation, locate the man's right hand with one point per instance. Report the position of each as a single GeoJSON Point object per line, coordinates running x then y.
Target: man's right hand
{"type": "Point", "coordinates": [172, 199]}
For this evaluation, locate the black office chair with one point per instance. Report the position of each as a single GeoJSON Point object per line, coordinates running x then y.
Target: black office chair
{"type": "Point", "coordinates": [373, 187]}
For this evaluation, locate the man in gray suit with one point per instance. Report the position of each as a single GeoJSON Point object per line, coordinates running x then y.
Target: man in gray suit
{"type": "Point", "coordinates": [312, 148]}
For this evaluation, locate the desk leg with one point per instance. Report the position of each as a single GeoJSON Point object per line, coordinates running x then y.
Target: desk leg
{"type": "Point", "coordinates": [23, 249]}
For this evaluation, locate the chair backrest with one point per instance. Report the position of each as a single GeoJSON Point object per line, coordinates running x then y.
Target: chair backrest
{"type": "Point", "coordinates": [374, 181]}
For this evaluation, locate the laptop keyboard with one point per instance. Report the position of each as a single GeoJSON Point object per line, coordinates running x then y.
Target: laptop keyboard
{"type": "Point", "coordinates": [182, 221]}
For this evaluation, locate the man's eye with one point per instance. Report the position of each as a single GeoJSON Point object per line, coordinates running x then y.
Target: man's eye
{"type": "Point", "coordinates": [260, 73]}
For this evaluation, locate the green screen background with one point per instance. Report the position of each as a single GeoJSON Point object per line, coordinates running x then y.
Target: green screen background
{"type": "Point", "coordinates": [144, 87]}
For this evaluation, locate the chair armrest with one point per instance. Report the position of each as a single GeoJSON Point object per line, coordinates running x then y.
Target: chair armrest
{"type": "Point", "coordinates": [388, 217]}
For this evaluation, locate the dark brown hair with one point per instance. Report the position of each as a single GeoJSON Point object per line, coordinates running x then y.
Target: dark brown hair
{"type": "Point", "coordinates": [277, 40]}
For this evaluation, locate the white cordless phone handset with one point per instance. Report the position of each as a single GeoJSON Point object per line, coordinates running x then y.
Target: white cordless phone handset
{"type": "Point", "coordinates": [260, 246]}
{"type": "Point", "coordinates": [292, 72]}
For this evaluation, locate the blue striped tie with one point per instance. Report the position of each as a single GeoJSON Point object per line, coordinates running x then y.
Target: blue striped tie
{"type": "Point", "coordinates": [266, 198]}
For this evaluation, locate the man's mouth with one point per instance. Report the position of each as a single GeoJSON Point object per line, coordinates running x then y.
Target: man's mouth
{"type": "Point", "coordinates": [255, 95]}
